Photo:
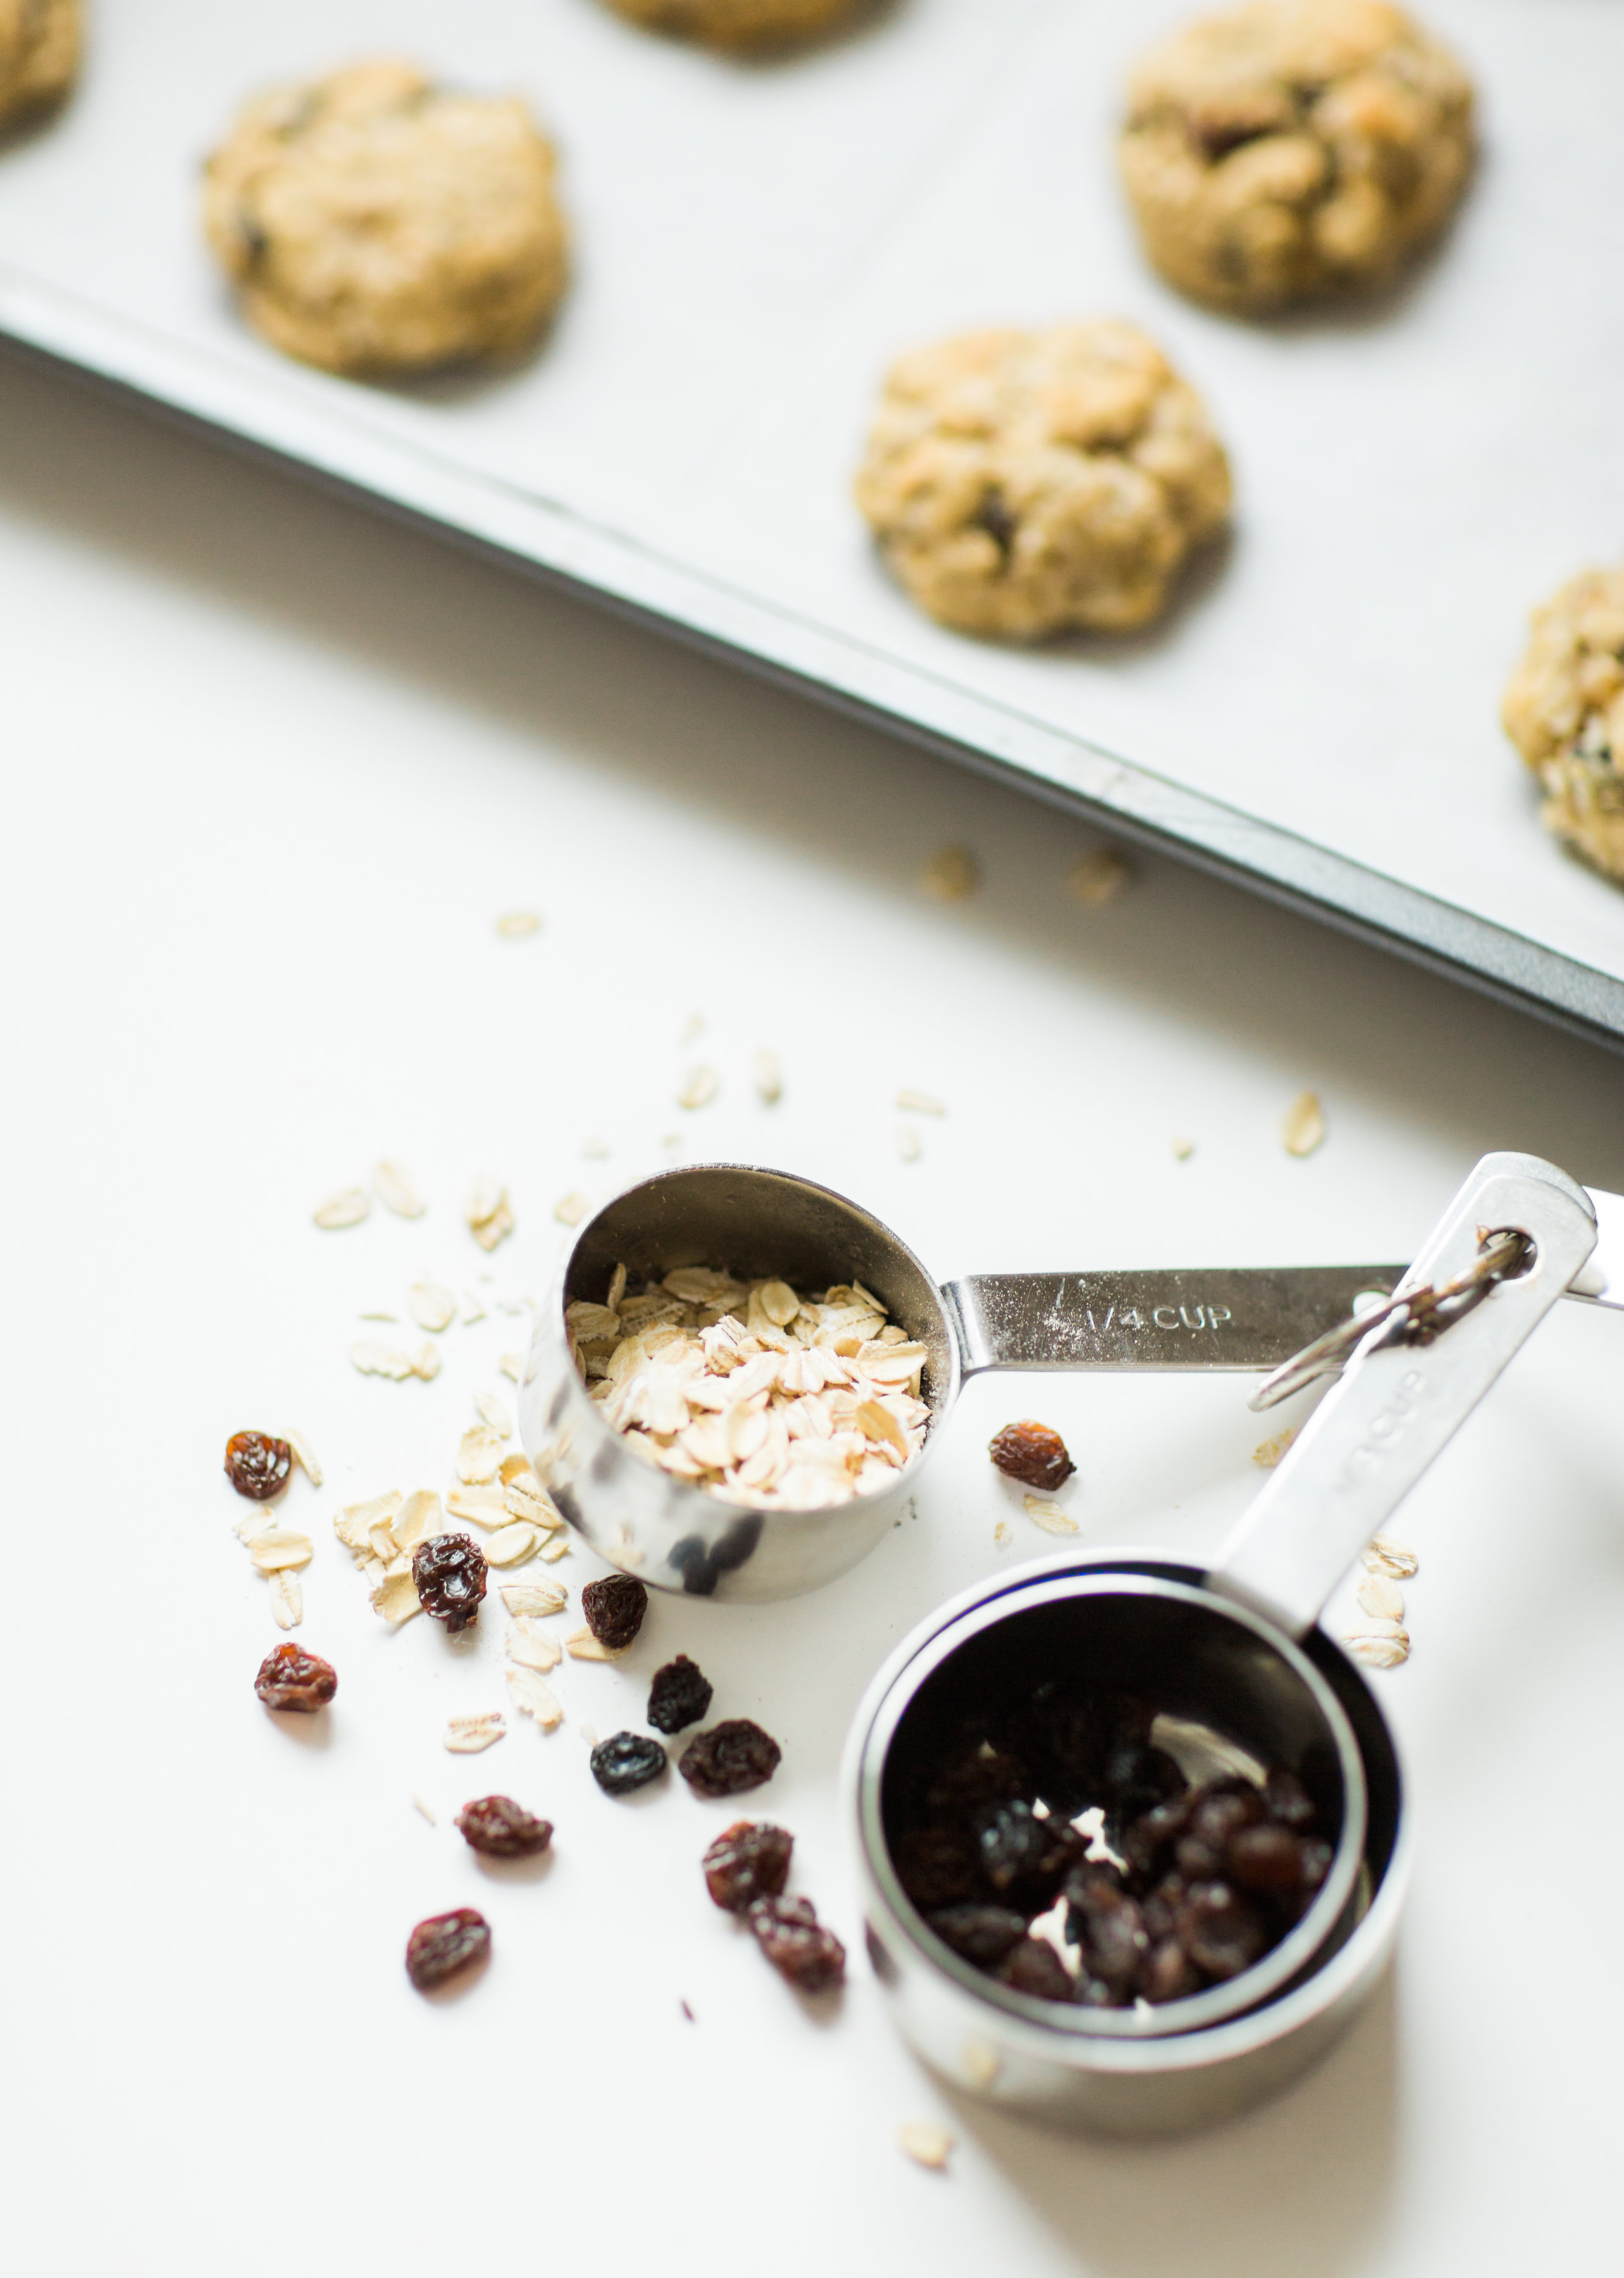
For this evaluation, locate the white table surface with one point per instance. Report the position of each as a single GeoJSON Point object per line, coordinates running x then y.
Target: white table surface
{"type": "Point", "coordinates": [272, 770]}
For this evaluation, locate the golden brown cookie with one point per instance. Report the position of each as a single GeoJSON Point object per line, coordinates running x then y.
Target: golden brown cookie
{"type": "Point", "coordinates": [39, 54]}
{"type": "Point", "coordinates": [1294, 150]}
{"type": "Point", "coordinates": [1027, 483]}
{"type": "Point", "coordinates": [741, 25]}
{"type": "Point", "coordinates": [376, 223]}
{"type": "Point", "coordinates": [1564, 710]}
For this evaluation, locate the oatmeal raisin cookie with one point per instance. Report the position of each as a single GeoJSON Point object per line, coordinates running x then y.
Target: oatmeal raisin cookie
{"type": "Point", "coordinates": [1564, 710]}
{"type": "Point", "coordinates": [1027, 483]}
{"type": "Point", "coordinates": [39, 54]}
{"type": "Point", "coordinates": [742, 25]}
{"type": "Point", "coordinates": [373, 222]}
{"type": "Point", "coordinates": [1294, 150]}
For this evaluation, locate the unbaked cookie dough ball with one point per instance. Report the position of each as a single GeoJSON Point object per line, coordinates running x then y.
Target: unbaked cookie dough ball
{"type": "Point", "coordinates": [1294, 150]}
{"type": "Point", "coordinates": [39, 55]}
{"type": "Point", "coordinates": [1564, 710]}
{"type": "Point", "coordinates": [1030, 483]}
{"type": "Point", "coordinates": [742, 24]}
{"type": "Point", "coordinates": [376, 223]}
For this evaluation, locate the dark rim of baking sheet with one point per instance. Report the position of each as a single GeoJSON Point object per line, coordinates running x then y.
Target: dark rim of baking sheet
{"type": "Point", "coordinates": [523, 528]}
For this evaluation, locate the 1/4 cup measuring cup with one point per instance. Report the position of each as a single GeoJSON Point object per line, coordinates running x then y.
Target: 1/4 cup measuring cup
{"type": "Point", "coordinates": [1233, 1658]}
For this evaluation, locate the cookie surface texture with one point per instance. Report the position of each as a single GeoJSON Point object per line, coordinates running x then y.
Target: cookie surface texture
{"type": "Point", "coordinates": [742, 25]}
{"type": "Point", "coordinates": [1027, 483]}
{"type": "Point", "coordinates": [1564, 710]}
{"type": "Point", "coordinates": [375, 223]}
{"type": "Point", "coordinates": [39, 54]}
{"type": "Point", "coordinates": [1294, 150]}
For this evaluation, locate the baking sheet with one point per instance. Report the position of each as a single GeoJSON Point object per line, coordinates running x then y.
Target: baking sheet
{"type": "Point", "coordinates": [756, 241]}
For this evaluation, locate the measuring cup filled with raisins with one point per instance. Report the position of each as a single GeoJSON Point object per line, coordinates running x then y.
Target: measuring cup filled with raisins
{"type": "Point", "coordinates": [1133, 1834]}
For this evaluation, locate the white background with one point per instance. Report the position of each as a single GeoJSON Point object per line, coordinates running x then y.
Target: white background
{"type": "Point", "coordinates": [272, 770]}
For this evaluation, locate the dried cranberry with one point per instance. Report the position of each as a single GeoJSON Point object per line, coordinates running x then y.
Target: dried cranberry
{"type": "Point", "coordinates": [795, 1943]}
{"type": "Point", "coordinates": [449, 1570]}
{"type": "Point", "coordinates": [679, 1695]}
{"type": "Point", "coordinates": [983, 1935]}
{"type": "Point", "coordinates": [627, 1761]}
{"type": "Point", "coordinates": [729, 1758]}
{"type": "Point", "coordinates": [257, 1465]}
{"type": "Point", "coordinates": [443, 1945]}
{"type": "Point", "coordinates": [935, 1866]}
{"type": "Point", "coordinates": [503, 1829]}
{"type": "Point", "coordinates": [614, 1607]}
{"type": "Point", "coordinates": [1033, 1454]}
{"type": "Point", "coordinates": [1034, 1967]}
{"type": "Point", "coordinates": [290, 1678]}
{"type": "Point", "coordinates": [747, 1862]}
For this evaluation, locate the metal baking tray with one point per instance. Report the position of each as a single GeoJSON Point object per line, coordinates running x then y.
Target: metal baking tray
{"type": "Point", "coordinates": [1317, 718]}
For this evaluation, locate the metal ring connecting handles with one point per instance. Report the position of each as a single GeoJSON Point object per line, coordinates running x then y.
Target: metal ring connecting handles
{"type": "Point", "coordinates": [1415, 1317]}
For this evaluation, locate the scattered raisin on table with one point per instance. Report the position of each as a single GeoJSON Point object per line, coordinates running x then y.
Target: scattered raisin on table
{"type": "Point", "coordinates": [626, 1761]}
{"type": "Point", "coordinates": [257, 1465]}
{"type": "Point", "coordinates": [502, 1829]}
{"type": "Point", "coordinates": [614, 1607]}
{"type": "Point", "coordinates": [1032, 1452]}
{"type": "Point", "coordinates": [679, 1695]}
{"type": "Point", "coordinates": [449, 1570]}
{"type": "Point", "coordinates": [732, 1756]}
{"type": "Point", "coordinates": [748, 1861]}
{"type": "Point", "coordinates": [443, 1945]}
{"type": "Point", "coordinates": [290, 1678]}
{"type": "Point", "coordinates": [795, 1943]}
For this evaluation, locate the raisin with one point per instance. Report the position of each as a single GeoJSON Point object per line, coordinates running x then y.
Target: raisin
{"type": "Point", "coordinates": [983, 1935]}
{"type": "Point", "coordinates": [747, 1862]}
{"type": "Point", "coordinates": [1033, 1453]}
{"type": "Point", "coordinates": [443, 1945]}
{"type": "Point", "coordinates": [678, 1696]}
{"type": "Point", "coordinates": [1221, 1931]}
{"type": "Point", "coordinates": [257, 1465]}
{"type": "Point", "coordinates": [1264, 1858]}
{"type": "Point", "coordinates": [1288, 1801]}
{"type": "Point", "coordinates": [1217, 1819]}
{"type": "Point", "coordinates": [290, 1678]}
{"type": "Point", "coordinates": [1169, 1974]}
{"type": "Point", "coordinates": [1034, 1967]}
{"type": "Point", "coordinates": [982, 1774]}
{"type": "Point", "coordinates": [1024, 1857]}
{"type": "Point", "coordinates": [1150, 1834]}
{"type": "Point", "coordinates": [503, 1829]}
{"type": "Point", "coordinates": [627, 1761]}
{"type": "Point", "coordinates": [1116, 1943]}
{"type": "Point", "coordinates": [614, 1607]}
{"type": "Point", "coordinates": [1138, 1777]}
{"type": "Point", "coordinates": [935, 1866]}
{"type": "Point", "coordinates": [795, 1943]}
{"type": "Point", "coordinates": [449, 1570]}
{"type": "Point", "coordinates": [729, 1758]}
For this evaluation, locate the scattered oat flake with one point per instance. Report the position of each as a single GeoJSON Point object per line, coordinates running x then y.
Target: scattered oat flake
{"type": "Point", "coordinates": [1003, 1533]}
{"type": "Point", "coordinates": [1304, 1127]}
{"type": "Point", "coordinates": [700, 1086]}
{"type": "Point", "coordinates": [418, 1518]}
{"type": "Point", "coordinates": [511, 1545]}
{"type": "Point", "coordinates": [473, 1310]}
{"type": "Point", "coordinates": [479, 1455]}
{"type": "Point", "coordinates": [1183, 1149]}
{"type": "Point", "coordinates": [1049, 1516]}
{"type": "Point", "coordinates": [523, 1598]}
{"type": "Point", "coordinates": [952, 874]}
{"type": "Point", "coordinates": [426, 1363]}
{"type": "Point", "coordinates": [531, 1647]}
{"type": "Point", "coordinates": [595, 1148]}
{"type": "Point", "coordinates": [514, 925]}
{"type": "Point", "coordinates": [432, 1305]}
{"type": "Point", "coordinates": [377, 1313]}
{"type": "Point", "coordinates": [354, 1522]}
{"type": "Point", "coordinates": [1267, 1452]}
{"type": "Point", "coordinates": [552, 1552]}
{"type": "Point", "coordinates": [345, 1208]}
{"type": "Point", "coordinates": [589, 1733]}
{"type": "Point", "coordinates": [767, 1077]}
{"type": "Point", "coordinates": [928, 2145]}
{"type": "Point", "coordinates": [490, 1217]}
{"type": "Point", "coordinates": [304, 1457]}
{"type": "Point", "coordinates": [1382, 1645]}
{"type": "Point", "coordinates": [980, 2064]}
{"type": "Point", "coordinates": [492, 1413]}
{"type": "Point", "coordinates": [485, 1506]}
{"type": "Point", "coordinates": [582, 1646]}
{"type": "Point", "coordinates": [1100, 877]}
{"type": "Point", "coordinates": [382, 1360]}
{"type": "Point", "coordinates": [1383, 1555]}
{"type": "Point", "coordinates": [394, 1189]}
{"type": "Point", "coordinates": [1380, 1596]}
{"type": "Point", "coordinates": [570, 1209]}
{"type": "Point", "coordinates": [419, 1804]}
{"type": "Point", "coordinates": [394, 1594]}
{"type": "Point", "coordinates": [908, 1147]}
{"type": "Point", "coordinates": [516, 1466]}
{"type": "Point", "coordinates": [511, 1366]}
{"type": "Point", "coordinates": [535, 1698]}
{"type": "Point", "coordinates": [528, 1499]}
{"type": "Point", "coordinates": [918, 1102]}
{"type": "Point", "coordinates": [286, 1599]}
{"type": "Point", "coordinates": [466, 1736]}
{"type": "Point", "coordinates": [277, 1549]}
{"type": "Point", "coordinates": [694, 1026]}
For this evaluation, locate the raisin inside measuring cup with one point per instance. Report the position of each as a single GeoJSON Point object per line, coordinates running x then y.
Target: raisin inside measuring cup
{"type": "Point", "coordinates": [1116, 1798]}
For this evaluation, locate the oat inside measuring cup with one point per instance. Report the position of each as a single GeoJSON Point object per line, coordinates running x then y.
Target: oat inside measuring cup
{"type": "Point", "coordinates": [772, 1398]}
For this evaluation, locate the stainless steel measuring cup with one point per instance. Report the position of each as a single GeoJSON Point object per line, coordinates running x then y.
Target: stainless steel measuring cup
{"type": "Point", "coordinates": [1244, 1679]}
{"type": "Point", "coordinates": [762, 1222]}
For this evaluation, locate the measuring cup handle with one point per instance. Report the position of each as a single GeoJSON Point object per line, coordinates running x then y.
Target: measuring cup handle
{"type": "Point", "coordinates": [1399, 1405]}
{"type": "Point", "coordinates": [1239, 1317]}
